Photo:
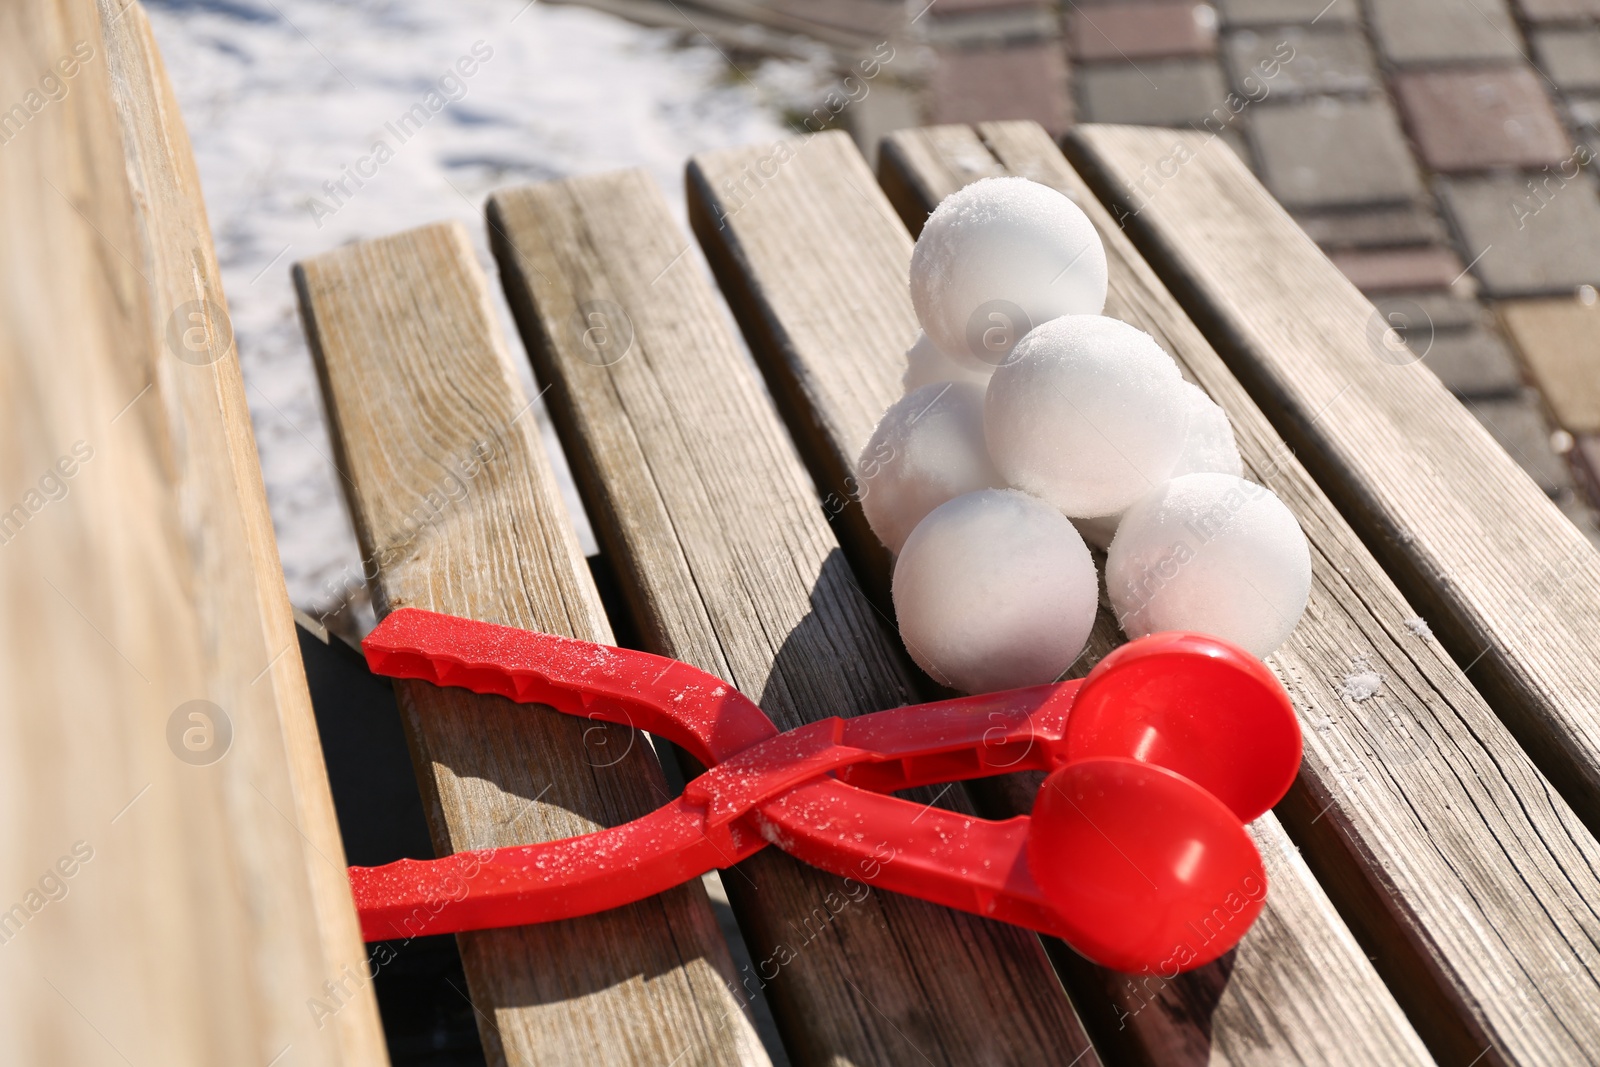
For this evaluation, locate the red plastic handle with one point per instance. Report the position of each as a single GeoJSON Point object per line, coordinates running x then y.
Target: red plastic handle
{"type": "Point", "coordinates": [550, 880]}
{"type": "Point", "coordinates": [1171, 743]}
{"type": "Point", "coordinates": [724, 815]}
{"type": "Point", "coordinates": [699, 712]}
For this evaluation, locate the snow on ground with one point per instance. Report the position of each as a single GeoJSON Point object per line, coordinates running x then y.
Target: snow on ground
{"type": "Point", "coordinates": [282, 96]}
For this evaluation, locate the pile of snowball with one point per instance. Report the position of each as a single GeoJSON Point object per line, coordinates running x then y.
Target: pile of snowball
{"type": "Point", "coordinates": [1032, 424]}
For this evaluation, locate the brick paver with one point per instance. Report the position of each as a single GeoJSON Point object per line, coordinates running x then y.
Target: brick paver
{"type": "Point", "coordinates": [1570, 57]}
{"type": "Point", "coordinates": [1525, 246]}
{"type": "Point", "coordinates": [1141, 30]}
{"type": "Point", "coordinates": [1374, 227]}
{"type": "Point", "coordinates": [1584, 111]}
{"type": "Point", "coordinates": [1413, 32]}
{"type": "Point", "coordinates": [1289, 12]}
{"type": "Point", "coordinates": [1398, 269]}
{"type": "Point", "coordinates": [1479, 119]}
{"type": "Point", "coordinates": [1333, 152]}
{"type": "Point", "coordinates": [1027, 81]}
{"type": "Point", "coordinates": [1559, 341]}
{"type": "Point", "coordinates": [1521, 429]}
{"type": "Point", "coordinates": [1322, 59]}
{"type": "Point", "coordinates": [1473, 363]}
{"type": "Point", "coordinates": [972, 24]}
{"type": "Point", "coordinates": [1586, 463]}
{"type": "Point", "coordinates": [969, 7]}
{"type": "Point", "coordinates": [1558, 10]}
{"type": "Point", "coordinates": [1583, 116]}
{"type": "Point", "coordinates": [878, 18]}
{"type": "Point", "coordinates": [1167, 92]}
{"type": "Point", "coordinates": [1429, 312]}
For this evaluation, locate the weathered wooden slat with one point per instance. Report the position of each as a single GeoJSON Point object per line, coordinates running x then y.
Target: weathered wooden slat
{"type": "Point", "coordinates": [698, 498]}
{"type": "Point", "coordinates": [168, 899]}
{"type": "Point", "coordinates": [176, 236]}
{"type": "Point", "coordinates": [1394, 799]}
{"type": "Point", "coordinates": [457, 510]}
{"type": "Point", "coordinates": [1511, 587]}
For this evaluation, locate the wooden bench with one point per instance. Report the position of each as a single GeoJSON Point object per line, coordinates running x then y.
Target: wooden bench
{"type": "Point", "coordinates": [1434, 882]}
{"type": "Point", "coordinates": [1435, 873]}
{"type": "Point", "coordinates": [173, 879]}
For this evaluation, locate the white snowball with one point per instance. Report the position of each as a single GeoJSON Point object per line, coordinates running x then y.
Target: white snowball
{"type": "Point", "coordinates": [1087, 414]}
{"type": "Point", "coordinates": [927, 363]}
{"type": "Point", "coordinates": [995, 590]}
{"type": "Point", "coordinates": [1000, 256]}
{"type": "Point", "coordinates": [1208, 448]}
{"type": "Point", "coordinates": [928, 448]}
{"type": "Point", "coordinates": [1211, 553]}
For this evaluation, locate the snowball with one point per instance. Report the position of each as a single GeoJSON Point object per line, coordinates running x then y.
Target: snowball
{"type": "Point", "coordinates": [1211, 553]}
{"type": "Point", "coordinates": [1000, 257]}
{"type": "Point", "coordinates": [927, 363]}
{"type": "Point", "coordinates": [928, 448]}
{"type": "Point", "coordinates": [1088, 414]}
{"type": "Point", "coordinates": [995, 590]}
{"type": "Point", "coordinates": [1208, 446]}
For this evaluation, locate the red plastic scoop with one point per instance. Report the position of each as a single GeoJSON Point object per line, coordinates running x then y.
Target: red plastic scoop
{"type": "Point", "coordinates": [1136, 854]}
{"type": "Point", "coordinates": [1136, 897]}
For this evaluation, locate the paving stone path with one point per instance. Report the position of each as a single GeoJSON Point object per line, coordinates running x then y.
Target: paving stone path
{"type": "Point", "coordinates": [1442, 152]}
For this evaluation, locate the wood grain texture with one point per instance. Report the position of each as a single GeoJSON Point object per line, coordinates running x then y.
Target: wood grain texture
{"type": "Point", "coordinates": [457, 510]}
{"type": "Point", "coordinates": [1416, 808]}
{"type": "Point", "coordinates": [176, 234]}
{"type": "Point", "coordinates": [715, 530]}
{"type": "Point", "coordinates": [1511, 587]}
{"type": "Point", "coordinates": [156, 909]}
{"type": "Point", "coordinates": [830, 406]}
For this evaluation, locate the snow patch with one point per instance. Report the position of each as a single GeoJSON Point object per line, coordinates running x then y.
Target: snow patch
{"type": "Point", "coordinates": [283, 97]}
{"type": "Point", "coordinates": [1362, 683]}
